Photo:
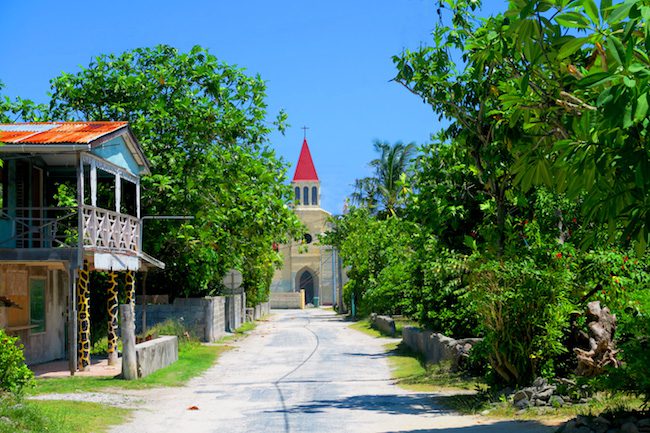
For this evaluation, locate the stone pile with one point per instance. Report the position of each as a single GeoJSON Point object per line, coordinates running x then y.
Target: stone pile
{"type": "Point", "coordinates": [542, 393]}
{"type": "Point", "coordinates": [620, 423]}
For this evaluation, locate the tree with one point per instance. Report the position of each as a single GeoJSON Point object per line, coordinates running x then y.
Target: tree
{"type": "Point", "coordinates": [203, 126]}
{"type": "Point", "coordinates": [580, 83]}
{"type": "Point", "coordinates": [385, 190]}
{"type": "Point", "coordinates": [463, 92]}
{"type": "Point", "coordinates": [20, 109]}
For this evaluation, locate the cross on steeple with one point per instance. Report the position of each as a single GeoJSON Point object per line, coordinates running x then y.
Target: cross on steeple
{"type": "Point", "coordinates": [304, 130]}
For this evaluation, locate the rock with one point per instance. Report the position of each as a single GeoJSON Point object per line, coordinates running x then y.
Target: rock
{"type": "Point", "coordinates": [540, 382]}
{"type": "Point", "coordinates": [573, 427]}
{"type": "Point", "coordinates": [545, 394]}
{"type": "Point", "coordinates": [520, 395]}
{"type": "Point", "coordinates": [628, 419]}
{"type": "Point", "coordinates": [556, 401]}
{"type": "Point", "coordinates": [600, 424]}
{"type": "Point", "coordinates": [5, 420]}
{"type": "Point", "coordinates": [629, 427]}
{"type": "Point", "coordinates": [582, 420]}
{"type": "Point", "coordinates": [522, 404]}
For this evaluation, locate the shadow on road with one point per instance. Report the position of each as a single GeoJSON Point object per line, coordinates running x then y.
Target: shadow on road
{"type": "Point", "coordinates": [496, 427]}
{"type": "Point", "coordinates": [412, 404]}
{"type": "Point", "coordinates": [368, 355]}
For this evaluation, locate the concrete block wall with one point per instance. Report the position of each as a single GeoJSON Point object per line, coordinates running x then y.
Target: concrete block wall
{"type": "Point", "coordinates": [287, 300]}
{"type": "Point", "coordinates": [250, 314]}
{"type": "Point", "coordinates": [265, 309]}
{"type": "Point", "coordinates": [384, 324]}
{"type": "Point", "coordinates": [203, 316]}
{"type": "Point", "coordinates": [257, 312]}
{"type": "Point", "coordinates": [155, 354]}
{"type": "Point", "coordinates": [233, 308]}
{"type": "Point", "coordinates": [215, 312]}
{"type": "Point", "coordinates": [436, 347]}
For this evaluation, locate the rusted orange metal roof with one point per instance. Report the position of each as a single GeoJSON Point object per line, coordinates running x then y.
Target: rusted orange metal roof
{"type": "Point", "coordinates": [56, 132]}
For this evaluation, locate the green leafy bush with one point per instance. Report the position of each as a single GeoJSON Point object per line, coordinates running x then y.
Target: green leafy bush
{"type": "Point", "coordinates": [14, 374]}
{"type": "Point", "coordinates": [442, 303]}
{"type": "Point", "coordinates": [634, 341]}
{"type": "Point", "coordinates": [524, 311]}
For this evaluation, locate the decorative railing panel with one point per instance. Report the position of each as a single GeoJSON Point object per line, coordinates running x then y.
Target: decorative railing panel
{"type": "Point", "coordinates": [105, 229]}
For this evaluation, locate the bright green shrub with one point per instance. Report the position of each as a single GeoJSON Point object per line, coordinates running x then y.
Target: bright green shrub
{"type": "Point", "coordinates": [524, 313]}
{"type": "Point", "coordinates": [442, 304]}
{"type": "Point", "coordinates": [634, 341]}
{"type": "Point", "coordinates": [14, 374]}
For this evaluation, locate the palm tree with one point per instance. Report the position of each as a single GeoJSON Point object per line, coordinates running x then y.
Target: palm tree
{"type": "Point", "coordinates": [382, 192]}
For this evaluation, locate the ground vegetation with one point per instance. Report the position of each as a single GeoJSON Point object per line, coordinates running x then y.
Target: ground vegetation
{"type": "Point", "coordinates": [529, 208]}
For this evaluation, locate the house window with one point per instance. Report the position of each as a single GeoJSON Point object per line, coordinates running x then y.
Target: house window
{"type": "Point", "coordinates": [314, 195]}
{"type": "Point", "coordinates": [37, 304]}
{"type": "Point", "coordinates": [297, 194]}
{"type": "Point", "coordinates": [305, 193]}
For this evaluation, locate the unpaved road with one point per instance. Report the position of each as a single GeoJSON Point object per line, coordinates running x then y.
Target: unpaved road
{"type": "Point", "coordinates": [303, 371]}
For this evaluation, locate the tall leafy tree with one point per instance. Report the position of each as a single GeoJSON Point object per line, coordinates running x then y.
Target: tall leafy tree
{"type": "Point", "coordinates": [203, 125]}
{"type": "Point", "coordinates": [582, 87]}
{"type": "Point", "coordinates": [462, 92]}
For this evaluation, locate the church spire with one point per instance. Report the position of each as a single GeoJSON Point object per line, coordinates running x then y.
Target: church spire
{"type": "Point", "coordinates": [305, 170]}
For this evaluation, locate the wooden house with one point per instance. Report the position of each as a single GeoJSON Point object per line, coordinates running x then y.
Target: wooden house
{"type": "Point", "coordinates": [70, 205]}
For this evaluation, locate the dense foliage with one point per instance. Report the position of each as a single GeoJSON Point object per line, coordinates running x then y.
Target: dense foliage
{"type": "Point", "coordinates": [532, 202]}
{"type": "Point", "coordinates": [204, 128]}
{"type": "Point", "coordinates": [14, 374]}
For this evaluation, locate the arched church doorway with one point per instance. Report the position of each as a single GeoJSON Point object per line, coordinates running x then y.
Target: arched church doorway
{"type": "Point", "coordinates": [308, 282]}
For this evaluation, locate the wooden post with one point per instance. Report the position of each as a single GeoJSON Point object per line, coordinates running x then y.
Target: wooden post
{"type": "Point", "coordinates": [80, 219]}
{"type": "Point", "coordinates": [118, 193]}
{"type": "Point", "coordinates": [129, 357]}
{"type": "Point", "coordinates": [72, 320]}
{"type": "Point", "coordinates": [93, 183]}
{"type": "Point", "coordinates": [137, 215]}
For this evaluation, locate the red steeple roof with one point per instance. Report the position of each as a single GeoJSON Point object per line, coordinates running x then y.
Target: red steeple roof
{"type": "Point", "coordinates": [305, 170]}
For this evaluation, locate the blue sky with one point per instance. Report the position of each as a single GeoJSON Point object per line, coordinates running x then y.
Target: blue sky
{"type": "Point", "coordinates": [326, 63]}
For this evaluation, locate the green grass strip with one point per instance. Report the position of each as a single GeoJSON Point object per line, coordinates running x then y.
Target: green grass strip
{"type": "Point", "coordinates": [58, 416]}
{"type": "Point", "coordinates": [193, 360]}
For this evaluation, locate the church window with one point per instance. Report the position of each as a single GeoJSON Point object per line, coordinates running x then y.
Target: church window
{"type": "Point", "coordinates": [305, 193]}
{"type": "Point", "coordinates": [314, 195]}
{"type": "Point", "coordinates": [297, 194]}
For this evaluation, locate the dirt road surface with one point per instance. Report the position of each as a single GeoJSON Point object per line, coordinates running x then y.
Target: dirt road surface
{"type": "Point", "coordinates": [303, 371]}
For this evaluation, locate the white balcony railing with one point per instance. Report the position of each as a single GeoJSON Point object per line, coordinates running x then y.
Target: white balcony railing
{"type": "Point", "coordinates": [104, 229]}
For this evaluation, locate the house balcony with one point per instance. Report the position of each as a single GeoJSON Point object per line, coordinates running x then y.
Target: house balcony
{"type": "Point", "coordinates": [47, 233]}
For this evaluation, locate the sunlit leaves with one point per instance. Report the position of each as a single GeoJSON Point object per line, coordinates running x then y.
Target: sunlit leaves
{"type": "Point", "coordinates": [204, 127]}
